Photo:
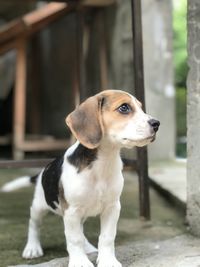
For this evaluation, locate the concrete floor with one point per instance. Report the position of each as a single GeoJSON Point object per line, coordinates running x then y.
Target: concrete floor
{"type": "Point", "coordinates": [171, 177]}
{"type": "Point", "coordinates": [137, 242]}
{"type": "Point", "coordinates": [181, 251]}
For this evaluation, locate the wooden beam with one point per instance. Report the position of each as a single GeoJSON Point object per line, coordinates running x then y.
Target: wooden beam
{"type": "Point", "coordinates": [97, 3]}
{"type": "Point", "coordinates": [32, 163]}
{"type": "Point", "coordinates": [10, 45]}
{"type": "Point", "coordinates": [33, 22]}
{"type": "Point", "coordinates": [43, 145]}
{"type": "Point", "coordinates": [11, 30]}
{"type": "Point", "coordinates": [45, 15]}
{"type": "Point", "coordinates": [19, 116]}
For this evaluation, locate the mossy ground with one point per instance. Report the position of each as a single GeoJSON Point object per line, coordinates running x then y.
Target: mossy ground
{"type": "Point", "coordinates": [14, 215]}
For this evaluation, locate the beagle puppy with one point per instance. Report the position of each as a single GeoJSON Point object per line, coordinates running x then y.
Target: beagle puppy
{"type": "Point", "coordinates": [87, 180]}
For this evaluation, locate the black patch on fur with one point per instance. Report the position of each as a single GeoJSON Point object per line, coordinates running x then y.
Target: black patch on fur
{"type": "Point", "coordinates": [33, 179]}
{"type": "Point", "coordinates": [50, 181]}
{"type": "Point", "coordinates": [82, 157]}
{"type": "Point", "coordinates": [102, 102]}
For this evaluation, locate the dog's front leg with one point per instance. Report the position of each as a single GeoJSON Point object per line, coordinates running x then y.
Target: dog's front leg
{"type": "Point", "coordinates": [75, 239]}
{"type": "Point", "coordinates": [109, 219]}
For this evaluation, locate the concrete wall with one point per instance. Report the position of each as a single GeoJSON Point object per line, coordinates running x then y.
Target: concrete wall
{"type": "Point", "coordinates": [158, 66]}
{"type": "Point", "coordinates": [58, 49]}
{"type": "Point", "coordinates": [193, 117]}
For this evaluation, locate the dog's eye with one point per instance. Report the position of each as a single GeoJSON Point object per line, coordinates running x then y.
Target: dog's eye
{"type": "Point", "coordinates": [124, 109]}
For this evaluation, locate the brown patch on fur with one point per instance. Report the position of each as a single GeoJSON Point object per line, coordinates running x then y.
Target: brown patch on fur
{"type": "Point", "coordinates": [111, 117]}
{"type": "Point", "coordinates": [114, 101]}
{"type": "Point", "coordinates": [85, 124]}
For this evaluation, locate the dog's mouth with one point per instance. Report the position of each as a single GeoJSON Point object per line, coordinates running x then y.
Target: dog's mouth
{"type": "Point", "coordinates": [149, 138]}
{"type": "Point", "coordinates": [153, 139]}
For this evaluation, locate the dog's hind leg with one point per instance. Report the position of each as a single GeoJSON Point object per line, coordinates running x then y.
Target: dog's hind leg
{"type": "Point", "coordinates": [38, 209]}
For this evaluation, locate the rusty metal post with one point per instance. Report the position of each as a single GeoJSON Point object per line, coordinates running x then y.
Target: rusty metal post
{"type": "Point", "coordinates": [142, 157]}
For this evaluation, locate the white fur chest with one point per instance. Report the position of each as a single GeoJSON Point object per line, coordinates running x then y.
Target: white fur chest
{"type": "Point", "coordinates": [93, 189]}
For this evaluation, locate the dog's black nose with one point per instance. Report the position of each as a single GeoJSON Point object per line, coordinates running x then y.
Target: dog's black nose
{"type": "Point", "coordinates": [155, 124]}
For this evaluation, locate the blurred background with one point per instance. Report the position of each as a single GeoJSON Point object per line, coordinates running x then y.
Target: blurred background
{"type": "Point", "coordinates": [180, 70]}
{"type": "Point", "coordinates": [52, 56]}
{"type": "Point", "coordinates": [49, 76]}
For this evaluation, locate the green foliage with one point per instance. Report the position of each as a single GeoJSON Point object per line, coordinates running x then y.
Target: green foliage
{"type": "Point", "coordinates": [180, 42]}
{"type": "Point", "coordinates": [181, 121]}
{"type": "Point", "coordinates": [181, 111]}
{"type": "Point", "coordinates": [181, 69]}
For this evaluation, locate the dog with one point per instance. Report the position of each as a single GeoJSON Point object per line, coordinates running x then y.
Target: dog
{"type": "Point", "coordinates": [87, 180]}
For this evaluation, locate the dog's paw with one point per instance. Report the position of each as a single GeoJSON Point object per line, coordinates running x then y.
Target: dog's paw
{"type": "Point", "coordinates": [80, 261]}
{"type": "Point", "coordinates": [32, 251]}
{"type": "Point", "coordinates": [109, 261]}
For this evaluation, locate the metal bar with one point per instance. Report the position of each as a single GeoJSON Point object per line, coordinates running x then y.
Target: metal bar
{"type": "Point", "coordinates": [131, 163]}
{"type": "Point", "coordinates": [142, 157]}
{"type": "Point", "coordinates": [142, 168]}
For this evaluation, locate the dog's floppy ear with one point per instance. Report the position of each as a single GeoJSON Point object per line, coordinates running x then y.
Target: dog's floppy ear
{"type": "Point", "coordinates": [85, 122]}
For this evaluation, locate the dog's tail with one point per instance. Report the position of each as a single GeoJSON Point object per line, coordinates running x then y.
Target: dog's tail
{"type": "Point", "coordinates": [20, 182]}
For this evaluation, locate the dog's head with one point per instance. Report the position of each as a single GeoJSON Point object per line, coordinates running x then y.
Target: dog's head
{"type": "Point", "coordinates": [115, 116]}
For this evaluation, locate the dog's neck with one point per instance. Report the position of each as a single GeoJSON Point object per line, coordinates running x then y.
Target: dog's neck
{"type": "Point", "coordinates": [108, 160]}
{"type": "Point", "coordinates": [82, 157]}
{"type": "Point", "coordinates": [108, 149]}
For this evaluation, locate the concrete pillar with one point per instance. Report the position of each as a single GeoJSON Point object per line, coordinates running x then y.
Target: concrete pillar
{"type": "Point", "coordinates": [193, 117]}
{"type": "Point", "coordinates": [159, 83]}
